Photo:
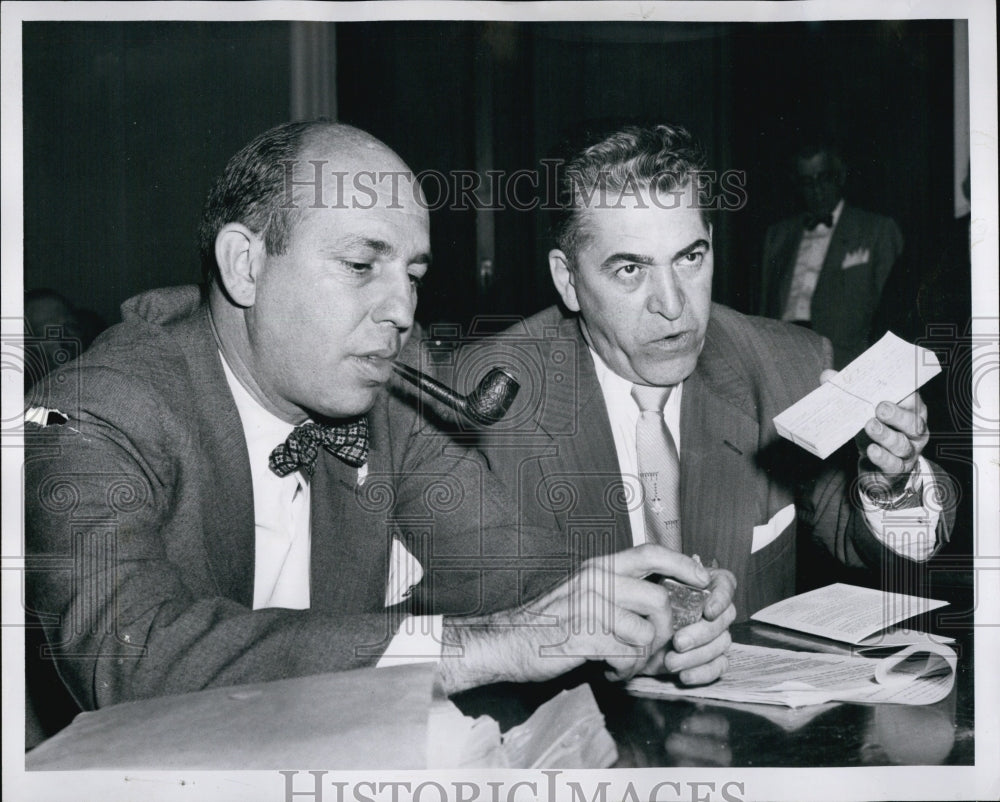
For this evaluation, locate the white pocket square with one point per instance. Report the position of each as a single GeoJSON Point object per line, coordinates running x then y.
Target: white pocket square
{"type": "Point", "coordinates": [859, 256]}
{"type": "Point", "coordinates": [766, 533]}
{"type": "Point", "coordinates": [405, 573]}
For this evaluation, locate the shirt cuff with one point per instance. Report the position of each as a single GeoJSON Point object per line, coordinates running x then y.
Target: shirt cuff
{"type": "Point", "coordinates": [417, 641]}
{"type": "Point", "coordinates": [910, 532]}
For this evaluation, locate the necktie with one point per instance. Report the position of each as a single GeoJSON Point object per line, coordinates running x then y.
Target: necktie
{"type": "Point", "coordinates": [659, 468]}
{"type": "Point", "coordinates": [346, 441]}
{"type": "Point", "coordinates": [813, 220]}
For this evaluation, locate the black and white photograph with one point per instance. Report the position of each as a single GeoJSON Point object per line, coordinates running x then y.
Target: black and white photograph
{"type": "Point", "coordinates": [493, 402]}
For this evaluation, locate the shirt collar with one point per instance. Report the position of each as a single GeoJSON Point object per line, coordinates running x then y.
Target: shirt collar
{"type": "Point", "coordinates": [618, 391]}
{"type": "Point", "coordinates": [836, 211]}
{"type": "Point", "coordinates": [262, 428]}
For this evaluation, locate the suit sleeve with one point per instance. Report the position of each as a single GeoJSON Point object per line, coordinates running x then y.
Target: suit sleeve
{"type": "Point", "coordinates": [461, 523]}
{"type": "Point", "coordinates": [117, 568]}
{"type": "Point", "coordinates": [831, 507]}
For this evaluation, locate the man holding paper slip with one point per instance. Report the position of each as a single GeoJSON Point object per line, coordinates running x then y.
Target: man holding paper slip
{"type": "Point", "coordinates": [697, 466]}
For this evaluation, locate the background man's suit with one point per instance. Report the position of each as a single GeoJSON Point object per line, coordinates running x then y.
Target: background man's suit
{"type": "Point", "coordinates": [558, 452]}
{"type": "Point", "coordinates": [140, 524]}
{"type": "Point", "coordinates": [863, 248]}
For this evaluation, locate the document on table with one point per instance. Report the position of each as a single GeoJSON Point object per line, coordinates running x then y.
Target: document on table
{"type": "Point", "coordinates": [851, 614]}
{"type": "Point", "coordinates": [837, 410]}
{"type": "Point", "coordinates": [917, 675]}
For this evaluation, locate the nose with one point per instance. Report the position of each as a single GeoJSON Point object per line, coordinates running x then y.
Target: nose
{"type": "Point", "coordinates": [396, 300]}
{"type": "Point", "coordinates": [666, 297]}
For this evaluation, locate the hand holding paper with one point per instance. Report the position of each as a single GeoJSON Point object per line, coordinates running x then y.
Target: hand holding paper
{"type": "Point", "coordinates": [891, 444]}
{"type": "Point", "coordinates": [888, 375]}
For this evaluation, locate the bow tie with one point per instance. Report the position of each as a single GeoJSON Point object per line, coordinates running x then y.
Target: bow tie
{"type": "Point", "coordinates": [813, 220]}
{"type": "Point", "coordinates": [346, 441]}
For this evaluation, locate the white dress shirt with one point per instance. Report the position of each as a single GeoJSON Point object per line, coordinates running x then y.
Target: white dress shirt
{"type": "Point", "coordinates": [283, 534]}
{"type": "Point", "coordinates": [910, 532]}
{"type": "Point", "coordinates": [808, 264]}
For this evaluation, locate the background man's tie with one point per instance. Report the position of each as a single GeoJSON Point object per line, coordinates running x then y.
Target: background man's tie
{"type": "Point", "coordinates": [659, 468]}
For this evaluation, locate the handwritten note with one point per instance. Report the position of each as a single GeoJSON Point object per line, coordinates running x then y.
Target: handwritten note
{"type": "Point", "coordinates": [836, 411]}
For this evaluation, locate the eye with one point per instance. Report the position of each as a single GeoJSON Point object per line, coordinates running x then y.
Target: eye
{"type": "Point", "coordinates": [416, 281]}
{"type": "Point", "coordinates": [693, 259]}
{"type": "Point", "coordinates": [629, 270]}
{"type": "Point", "coordinates": [359, 267]}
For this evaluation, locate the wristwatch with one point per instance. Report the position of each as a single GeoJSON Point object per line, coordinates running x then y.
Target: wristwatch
{"type": "Point", "coordinates": [908, 499]}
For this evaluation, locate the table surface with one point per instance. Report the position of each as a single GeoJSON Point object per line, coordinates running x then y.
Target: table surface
{"type": "Point", "coordinates": [658, 732]}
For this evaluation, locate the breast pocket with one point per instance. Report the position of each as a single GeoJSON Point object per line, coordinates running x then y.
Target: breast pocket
{"type": "Point", "coordinates": [771, 572]}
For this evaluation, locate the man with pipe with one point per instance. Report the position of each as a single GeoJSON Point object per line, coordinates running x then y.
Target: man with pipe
{"type": "Point", "coordinates": [633, 266]}
{"type": "Point", "coordinates": [267, 499]}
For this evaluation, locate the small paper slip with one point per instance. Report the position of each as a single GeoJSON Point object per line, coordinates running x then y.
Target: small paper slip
{"type": "Point", "coordinates": [836, 411]}
{"type": "Point", "coordinates": [851, 614]}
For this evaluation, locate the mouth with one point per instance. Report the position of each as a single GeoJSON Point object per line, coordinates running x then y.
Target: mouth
{"type": "Point", "coordinates": [377, 365]}
{"type": "Point", "coordinates": [680, 341]}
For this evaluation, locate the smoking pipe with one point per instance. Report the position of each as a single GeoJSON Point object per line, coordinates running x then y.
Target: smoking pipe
{"type": "Point", "coordinates": [486, 404]}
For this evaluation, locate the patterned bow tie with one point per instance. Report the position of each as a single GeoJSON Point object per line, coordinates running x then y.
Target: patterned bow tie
{"type": "Point", "coordinates": [346, 441]}
{"type": "Point", "coordinates": [813, 220]}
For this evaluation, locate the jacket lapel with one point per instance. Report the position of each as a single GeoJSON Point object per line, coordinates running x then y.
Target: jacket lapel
{"type": "Point", "coordinates": [843, 235]}
{"type": "Point", "coordinates": [719, 441]}
{"type": "Point", "coordinates": [576, 408]}
{"type": "Point", "coordinates": [227, 507]}
{"type": "Point", "coordinates": [349, 545]}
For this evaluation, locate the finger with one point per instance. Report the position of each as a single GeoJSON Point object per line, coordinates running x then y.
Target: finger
{"type": "Point", "coordinates": [704, 674]}
{"type": "Point", "coordinates": [625, 628]}
{"type": "Point", "coordinates": [651, 558]}
{"type": "Point", "coordinates": [624, 645]}
{"type": "Point", "coordinates": [723, 588]}
{"type": "Point", "coordinates": [677, 662]}
{"type": "Point", "coordinates": [911, 421]}
{"type": "Point", "coordinates": [827, 375]}
{"type": "Point", "coordinates": [703, 632]}
{"type": "Point", "coordinates": [636, 595]}
{"type": "Point", "coordinates": [887, 462]}
{"type": "Point", "coordinates": [892, 442]}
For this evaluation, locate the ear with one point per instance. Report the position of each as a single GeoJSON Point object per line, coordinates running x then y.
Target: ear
{"type": "Point", "coordinates": [562, 277]}
{"type": "Point", "coordinates": [239, 253]}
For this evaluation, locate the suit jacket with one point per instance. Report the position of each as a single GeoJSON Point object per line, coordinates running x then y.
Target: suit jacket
{"type": "Point", "coordinates": [140, 526]}
{"type": "Point", "coordinates": [557, 451]}
{"type": "Point", "coordinates": [863, 248]}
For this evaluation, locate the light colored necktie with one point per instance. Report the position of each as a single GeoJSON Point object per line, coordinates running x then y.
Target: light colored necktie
{"type": "Point", "coordinates": [659, 468]}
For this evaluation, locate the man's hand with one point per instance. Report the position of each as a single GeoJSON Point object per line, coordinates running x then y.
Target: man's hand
{"type": "Point", "coordinates": [605, 611]}
{"type": "Point", "coordinates": [699, 650]}
{"type": "Point", "coordinates": [890, 444]}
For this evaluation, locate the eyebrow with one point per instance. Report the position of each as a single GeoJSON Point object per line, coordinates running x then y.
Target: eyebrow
{"type": "Point", "coordinates": [643, 259]}
{"type": "Point", "coordinates": [380, 248]}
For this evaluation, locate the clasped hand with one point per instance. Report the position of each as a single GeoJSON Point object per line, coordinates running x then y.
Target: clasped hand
{"type": "Point", "coordinates": [607, 611]}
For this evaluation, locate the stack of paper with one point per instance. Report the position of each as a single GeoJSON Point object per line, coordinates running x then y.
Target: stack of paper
{"type": "Point", "coordinates": [835, 411]}
{"type": "Point", "coordinates": [918, 675]}
{"type": "Point", "coordinates": [858, 616]}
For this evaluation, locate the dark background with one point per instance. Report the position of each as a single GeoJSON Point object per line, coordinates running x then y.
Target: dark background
{"type": "Point", "coordinates": [126, 125]}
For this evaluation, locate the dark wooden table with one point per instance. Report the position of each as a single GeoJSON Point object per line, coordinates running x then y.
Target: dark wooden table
{"type": "Point", "coordinates": [655, 732]}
